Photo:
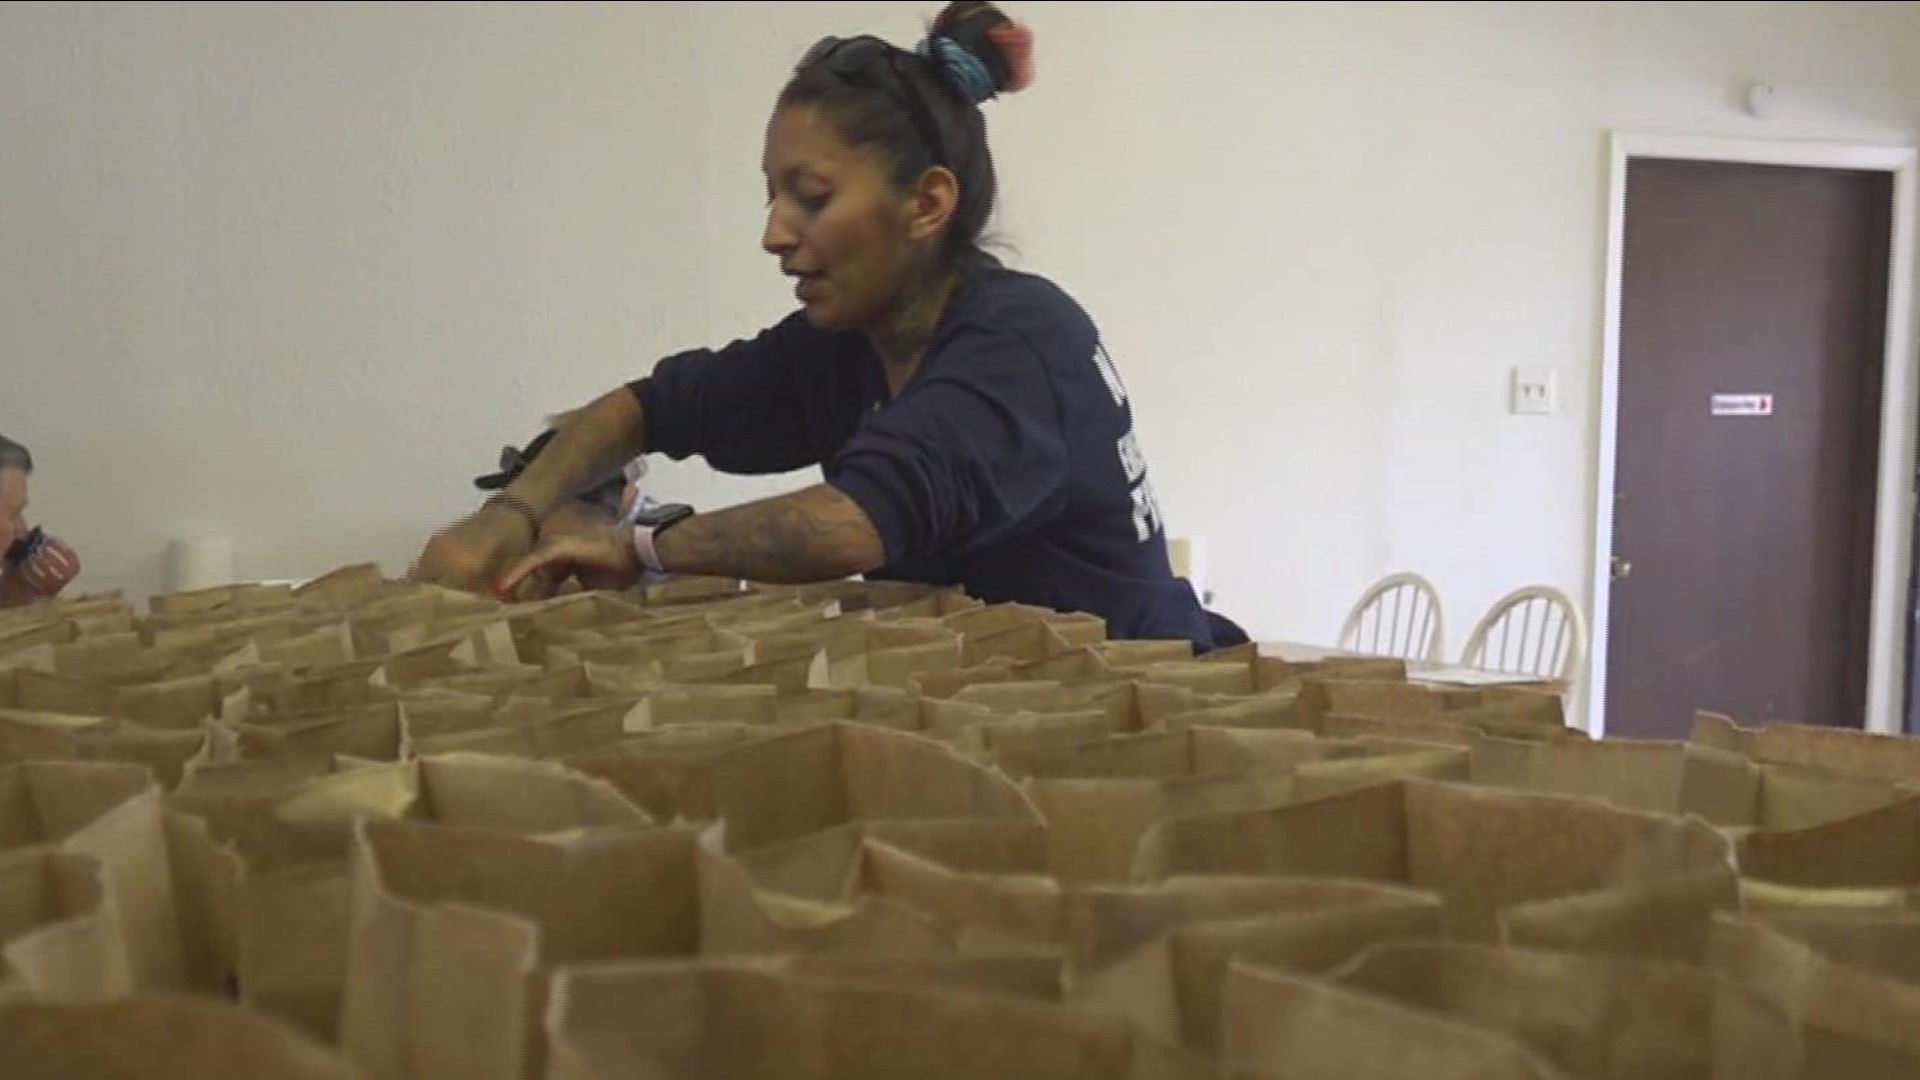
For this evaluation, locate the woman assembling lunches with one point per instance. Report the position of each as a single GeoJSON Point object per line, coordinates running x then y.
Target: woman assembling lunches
{"type": "Point", "coordinates": [971, 429]}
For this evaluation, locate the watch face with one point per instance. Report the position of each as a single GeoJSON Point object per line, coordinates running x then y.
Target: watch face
{"type": "Point", "coordinates": [662, 516]}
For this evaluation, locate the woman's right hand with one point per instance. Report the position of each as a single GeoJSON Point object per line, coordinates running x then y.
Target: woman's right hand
{"type": "Point", "coordinates": [471, 553]}
{"type": "Point", "coordinates": [51, 569]}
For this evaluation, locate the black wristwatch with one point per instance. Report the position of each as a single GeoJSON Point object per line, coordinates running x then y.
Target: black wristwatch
{"type": "Point", "coordinates": [650, 523]}
{"type": "Point", "coordinates": [25, 548]}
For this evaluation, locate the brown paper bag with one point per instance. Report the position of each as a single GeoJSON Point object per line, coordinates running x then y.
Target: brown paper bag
{"type": "Point", "coordinates": [60, 933]}
{"type": "Point", "coordinates": [262, 852]}
{"type": "Point", "coordinates": [30, 736]}
{"type": "Point", "coordinates": [1883, 942]}
{"type": "Point", "coordinates": [111, 812]}
{"type": "Point", "coordinates": [792, 783]}
{"type": "Point", "coordinates": [1160, 955]}
{"type": "Point", "coordinates": [512, 795]}
{"type": "Point", "coordinates": [1487, 854]}
{"type": "Point", "coordinates": [1836, 1020]}
{"type": "Point", "coordinates": [737, 917]}
{"type": "Point", "coordinates": [452, 929]}
{"type": "Point", "coordinates": [749, 1019]}
{"type": "Point", "coordinates": [1268, 710]}
{"type": "Point", "coordinates": [345, 587]}
{"type": "Point", "coordinates": [157, 1037]}
{"type": "Point", "coordinates": [1598, 1018]}
{"type": "Point", "coordinates": [1879, 847]}
{"type": "Point", "coordinates": [1024, 907]}
{"type": "Point", "coordinates": [897, 666]}
{"type": "Point", "coordinates": [665, 705]}
{"type": "Point", "coordinates": [26, 736]}
{"type": "Point", "coordinates": [1096, 825]}
{"type": "Point", "coordinates": [1726, 789]}
{"type": "Point", "coordinates": [572, 731]}
{"type": "Point", "coordinates": [1511, 711]}
{"type": "Point", "coordinates": [1838, 750]}
{"type": "Point", "coordinates": [826, 865]}
{"type": "Point", "coordinates": [1283, 1025]}
{"type": "Point", "coordinates": [375, 734]}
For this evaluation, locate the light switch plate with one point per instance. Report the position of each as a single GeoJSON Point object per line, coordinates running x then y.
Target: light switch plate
{"type": "Point", "coordinates": [1535, 392]}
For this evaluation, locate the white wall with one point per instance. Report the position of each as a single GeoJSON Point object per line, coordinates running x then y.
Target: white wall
{"type": "Point", "coordinates": [291, 273]}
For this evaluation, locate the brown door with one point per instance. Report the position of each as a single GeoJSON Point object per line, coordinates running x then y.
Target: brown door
{"type": "Point", "coordinates": [1752, 326]}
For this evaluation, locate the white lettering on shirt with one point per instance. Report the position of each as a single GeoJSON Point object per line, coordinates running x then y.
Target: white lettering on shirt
{"type": "Point", "coordinates": [1147, 519]}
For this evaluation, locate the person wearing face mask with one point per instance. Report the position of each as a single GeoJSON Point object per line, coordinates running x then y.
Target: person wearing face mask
{"type": "Point", "coordinates": [33, 566]}
{"type": "Point", "coordinates": [971, 427]}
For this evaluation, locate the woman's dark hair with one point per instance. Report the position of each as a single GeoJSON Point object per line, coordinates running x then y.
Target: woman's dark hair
{"type": "Point", "coordinates": [922, 108]}
{"type": "Point", "coordinates": [14, 455]}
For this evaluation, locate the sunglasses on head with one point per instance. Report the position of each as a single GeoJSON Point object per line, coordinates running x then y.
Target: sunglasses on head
{"type": "Point", "coordinates": [848, 59]}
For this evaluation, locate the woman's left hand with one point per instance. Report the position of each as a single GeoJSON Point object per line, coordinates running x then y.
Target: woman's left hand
{"type": "Point", "coordinates": [601, 558]}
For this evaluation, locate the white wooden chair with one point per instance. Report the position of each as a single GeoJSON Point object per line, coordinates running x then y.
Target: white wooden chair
{"type": "Point", "coordinates": [1536, 630]}
{"type": "Point", "coordinates": [1399, 615]}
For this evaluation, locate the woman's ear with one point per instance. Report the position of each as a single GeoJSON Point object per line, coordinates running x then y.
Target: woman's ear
{"type": "Point", "coordinates": [934, 198]}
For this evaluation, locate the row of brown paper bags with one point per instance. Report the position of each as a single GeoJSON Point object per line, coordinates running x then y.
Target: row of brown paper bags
{"type": "Point", "coordinates": [274, 913]}
{"type": "Point", "coordinates": [883, 943]}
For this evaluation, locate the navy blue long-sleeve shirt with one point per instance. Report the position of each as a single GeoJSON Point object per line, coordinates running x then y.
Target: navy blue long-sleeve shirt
{"type": "Point", "coordinates": [1007, 466]}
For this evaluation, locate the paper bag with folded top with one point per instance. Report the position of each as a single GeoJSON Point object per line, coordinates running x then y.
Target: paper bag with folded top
{"type": "Point", "coordinates": [1659, 777]}
{"type": "Point", "coordinates": [342, 687]}
{"type": "Point", "coordinates": [1098, 810]}
{"type": "Point", "coordinates": [989, 737]}
{"type": "Point", "coordinates": [374, 732]}
{"type": "Point", "coordinates": [158, 1037]}
{"type": "Point", "coordinates": [60, 930]}
{"type": "Point", "coordinates": [1540, 869]}
{"type": "Point", "coordinates": [112, 813]}
{"type": "Point", "coordinates": [261, 850]}
{"type": "Point", "coordinates": [739, 917]}
{"type": "Point", "coordinates": [453, 931]}
{"type": "Point", "coordinates": [1875, 848]}
{"type": "Point", "coordinates": [1846, 751]}
{"type": "Point", "coordinates": [881, 706]}
{"type": "Point", "coordinates": [1290, 1026]}
{"type": "Point", "coordinates": [896, 654]}
{"type": "Point", "coordinates": [1513, 711]}
{"type": "Point", "coordinates": [826, 865]}
{"type": "Point", "coordinates": [796, 782]}
{"type": "Point", "coordinates": [1276, 709]}
{"type": "Point", "coordinates": [1179, 752]}
{"type": "Point", "coordinates": [1081, 665]}
{"type": "Point", "coordinates": [975, 908]}
{"type": "Point", "coordinates": [258, 850]}
{"type": "Point", "coordinates": [1595, 1017]}
{"type": "Point", "coordinates": [345, 586]}
{"type": "Point", "coordinates": [1160, 954]}
{"type": "Point", "coordinates": [29, 736]}
{"type": "Point", "coordinates": [1827, 1019]}
{"type": "Point", "coordinates": [1885, 942]}
{"type": "Point", "coordinates": [577, 728]}
{"type": "Point", "coordinates": [758, 1018]}
{"type": "Point", "coordinates": [36, 691]}
{"type": "Point", "coordinates": [1273, 674]}
{"type": "Point", "coordinates": [1730, 790]}
{"type": "Point", "coordinates": [228, 598]}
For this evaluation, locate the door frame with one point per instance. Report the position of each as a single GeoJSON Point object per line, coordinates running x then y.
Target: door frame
{"type": "Point", "coordinates": [1893, 519]}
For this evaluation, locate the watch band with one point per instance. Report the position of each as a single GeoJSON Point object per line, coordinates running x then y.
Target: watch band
{"type": "Point", "coordinates": [643, 547]}
{"type": "Point", "coordinates": [519, 506]}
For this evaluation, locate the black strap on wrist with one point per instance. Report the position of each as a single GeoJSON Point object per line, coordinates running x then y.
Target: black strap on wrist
{"type": "Point", "coordinates": [522, 507]}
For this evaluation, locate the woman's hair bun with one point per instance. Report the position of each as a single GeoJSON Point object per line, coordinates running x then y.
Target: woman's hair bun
{"type": "Point", "coordinates": [980, 50]}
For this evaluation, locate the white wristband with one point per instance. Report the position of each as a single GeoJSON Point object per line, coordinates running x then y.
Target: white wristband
{"type": "Point", "coordinates": [643, 547]}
